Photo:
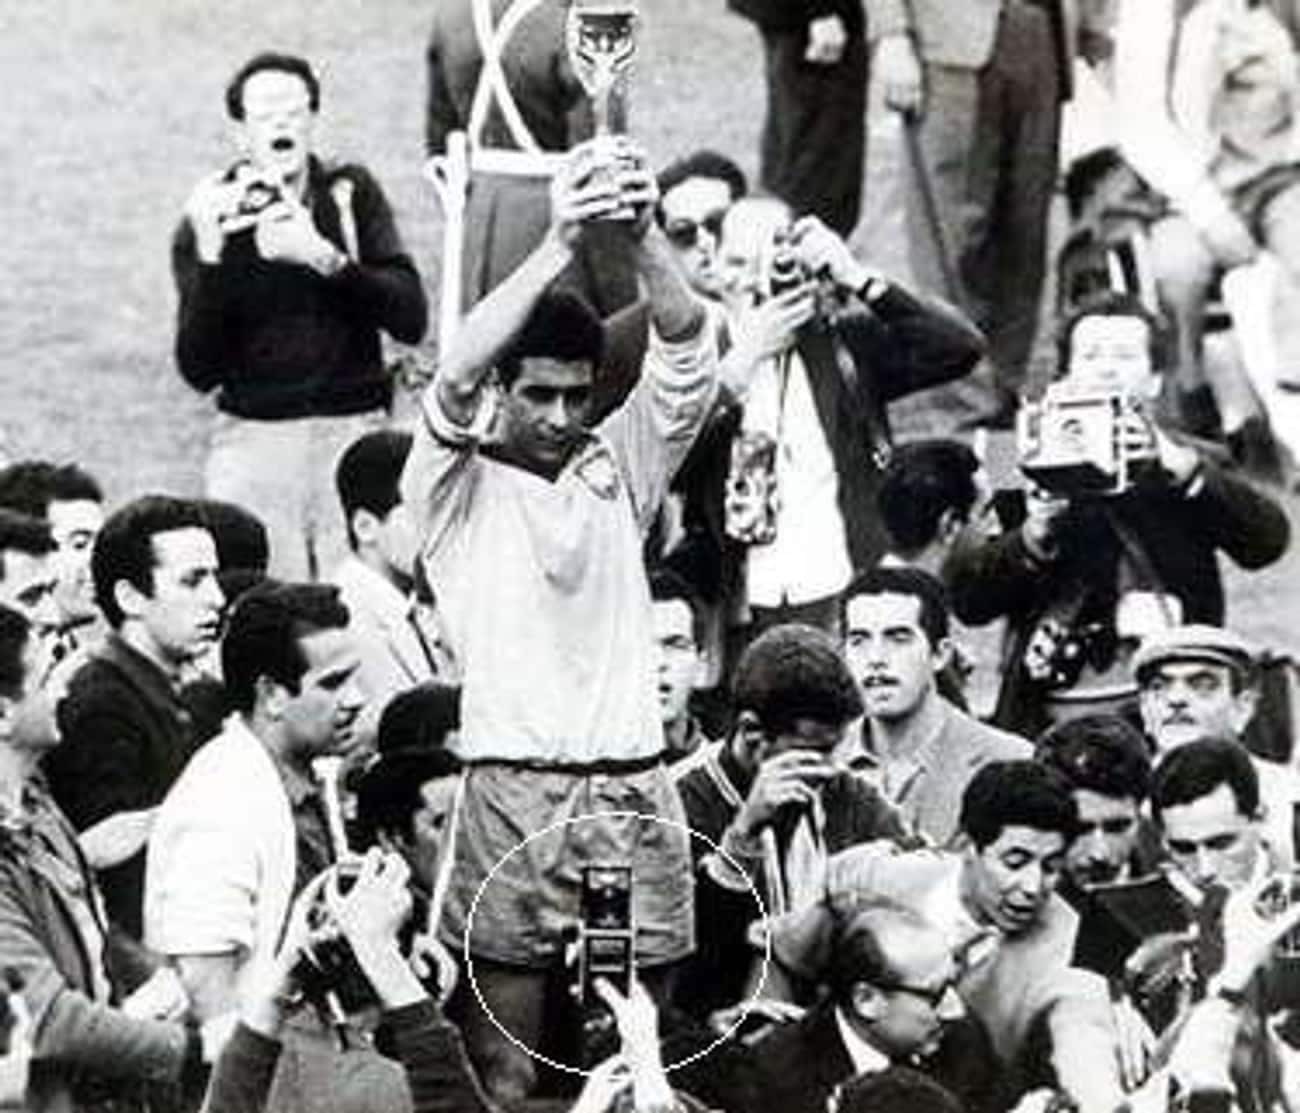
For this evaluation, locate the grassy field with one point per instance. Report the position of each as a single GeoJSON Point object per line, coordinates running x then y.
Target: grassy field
{"type": "Point", "coordinates": [115, 110]}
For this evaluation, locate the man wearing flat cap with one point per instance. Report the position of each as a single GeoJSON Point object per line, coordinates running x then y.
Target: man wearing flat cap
{"type": "Point", "coordinates": [1199, 681]}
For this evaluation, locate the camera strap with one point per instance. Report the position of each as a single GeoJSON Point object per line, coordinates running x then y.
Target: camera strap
{"type": "Point", "coordinates": [1137, 552]}
{"type": "Point", "coordinates": [342, 190]}
{"type": "Point", "coordinates": [879, 446]}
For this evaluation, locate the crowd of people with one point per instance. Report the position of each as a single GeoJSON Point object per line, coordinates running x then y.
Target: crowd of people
{"type": "Point", "coordinates": [607, 738]}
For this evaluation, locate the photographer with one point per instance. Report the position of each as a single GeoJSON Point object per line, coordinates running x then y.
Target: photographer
{"type": "Point", "coordinates": [368, 919]}
{"type": "Point", "coordinates": [287, 270]}
{"type": "Point", "coordinates": [1081, 572]}
{"type": "Point", "coordinates": [824, 343]}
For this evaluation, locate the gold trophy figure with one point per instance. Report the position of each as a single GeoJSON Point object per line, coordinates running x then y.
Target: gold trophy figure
{"type": "Point", "coordinates": [600, 36]}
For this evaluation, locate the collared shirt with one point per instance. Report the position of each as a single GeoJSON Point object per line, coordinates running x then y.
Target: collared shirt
{"type": "Point", "coordinates": [865, 1058]}
{"type": "Point", "coordinates": [927, 785]}
{"type": "Point", "coordinates": [315, 851]}
{"type": "Point", "coordinates": [809, 558]}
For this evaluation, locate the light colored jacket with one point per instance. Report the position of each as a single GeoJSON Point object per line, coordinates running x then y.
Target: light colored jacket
{"type": "Point", "coordinates": [222, 855]}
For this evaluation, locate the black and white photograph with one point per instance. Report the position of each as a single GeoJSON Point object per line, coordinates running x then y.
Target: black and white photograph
{"type": "Point", "coordinates": [650, 556]}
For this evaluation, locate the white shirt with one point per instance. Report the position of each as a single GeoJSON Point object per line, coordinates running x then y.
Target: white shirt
{"type": "Point", "coordinates": [541, 582]}
{"type": "Point", "coordinates": [809, 559]}
{"type": "Point", "coordinates": [865, 1058]}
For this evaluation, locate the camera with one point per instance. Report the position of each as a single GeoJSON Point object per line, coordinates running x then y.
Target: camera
{"type": "Point", "coordinates": [780, 268]}
{"type": "Point", "coordinates": [606, 936]}
{"type": "Point", "coordinates": [606, 944]}
{"type": "Point", "coordinates": [1278, 896]}
{"type": "Point", "coordinates": [327, 971]}
{"type": "Point", "coordinates": [1073, 444]}
{"type": "Point", "coordinates": [258, 195]}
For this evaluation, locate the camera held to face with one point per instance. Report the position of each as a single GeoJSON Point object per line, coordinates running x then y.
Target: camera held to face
{"type": "Point", "coordinates": [259, 193]}
{"type": "Point", "coordinates": [1075, 444]}
{"type": "Point", "coordinates": [780, 268]}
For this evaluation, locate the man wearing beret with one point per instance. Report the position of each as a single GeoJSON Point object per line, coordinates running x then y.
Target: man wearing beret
{"type": "Point", "coordinates": [1199, 681]}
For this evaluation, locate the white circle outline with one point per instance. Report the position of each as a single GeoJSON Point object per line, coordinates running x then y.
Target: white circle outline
{"type": "Point", "coordinates": [532, 1053]}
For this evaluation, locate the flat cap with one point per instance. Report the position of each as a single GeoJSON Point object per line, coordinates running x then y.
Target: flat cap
{"type": "Point", "coordinates": [1194, 642]}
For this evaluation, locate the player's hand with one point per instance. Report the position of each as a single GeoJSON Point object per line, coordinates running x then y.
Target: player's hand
{"type": "Point", "coordinates": [827, 38]}
{"type": "Point", "coordinates": [584, 189]}
{"type": "Point", "coordinates": [1043, 514]}
{"type": "Point", "coordinates": [791, 779]}
{"type": "Point", "coordinates": [629, 163]}
{"type": "Point", "coordinates": [899, 70]}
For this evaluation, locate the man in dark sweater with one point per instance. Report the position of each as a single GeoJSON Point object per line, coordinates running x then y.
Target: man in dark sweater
{"type": "Point", "coordinates": [287, 270]}
{"type": "Point", "coordinates": [126, 732]}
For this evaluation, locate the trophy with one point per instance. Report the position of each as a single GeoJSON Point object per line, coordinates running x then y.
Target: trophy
{"type": "Point", "coordinates": [600, 36]}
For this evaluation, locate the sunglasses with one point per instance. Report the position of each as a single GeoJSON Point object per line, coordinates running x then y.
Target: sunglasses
{"type": "Point", "coordinates": [682, 232]}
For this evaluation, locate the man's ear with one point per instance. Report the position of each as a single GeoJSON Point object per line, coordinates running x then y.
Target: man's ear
{"type": "Point", "coordinates": [365, 525]}
{"type": "Point", "coordinates": [749, 737]}
{"type": "Point", "coordinates": [941, 655]}
{"type": "Point", "coordinates": [271, 697]}
{"type": "Point", "coordinates": [130, 600]}
{"type": "Point", "coordinates": [1244, 704]}
{"type": "Point", "coordinates": [866, 1002]}
{"type": "Point", "coordinates": [949, 526]}
{"type": "Point", "coordinates": [8, 715]}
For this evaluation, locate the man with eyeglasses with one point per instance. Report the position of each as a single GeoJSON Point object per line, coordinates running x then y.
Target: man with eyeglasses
{"type": "Point", "coordinates": [995, 900]}
{"type": "Point", "coordinates": [893, 1001]}
{"type": "Point", "coordinates": [287, 270]}
{"type": "Point", "coordinates": [695, 193]}
{"type": "Point", "coordinates": [821, 343]}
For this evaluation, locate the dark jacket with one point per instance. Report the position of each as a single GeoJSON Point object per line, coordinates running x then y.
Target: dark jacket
{"type": "Point", "coordinates": [81, 1044]}
{"type": "Point", "coordinates": [858, 362]}
{"type": "Point", "coordinates": [427, 1045]}
{"type": "Point", "coordinates": [126, 736]}
{"type": "Point", "coordinates": [1176, 536]}
{"type": "Point", "coordinates": [280, 341]}
{"type": "Point", "coordinates": [796, 1067]}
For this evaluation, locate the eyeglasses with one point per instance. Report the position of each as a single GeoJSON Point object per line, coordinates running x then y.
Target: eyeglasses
{"type": "Point", "coordinates": [932, 996]}
{"type": "Point", "coordinates": [684, 233]}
